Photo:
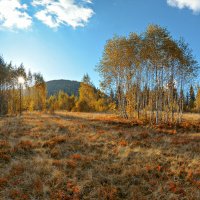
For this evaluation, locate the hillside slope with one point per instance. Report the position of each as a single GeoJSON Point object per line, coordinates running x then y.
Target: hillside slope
{"type": "Point", "coordinates": [70, 87]}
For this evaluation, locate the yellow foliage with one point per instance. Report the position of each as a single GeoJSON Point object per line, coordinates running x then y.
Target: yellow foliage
{"type": "Point", "coordinates": [197, 102]}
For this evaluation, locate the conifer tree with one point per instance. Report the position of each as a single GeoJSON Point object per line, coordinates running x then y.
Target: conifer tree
{"type": "Point", "coordinates": [192, 98]}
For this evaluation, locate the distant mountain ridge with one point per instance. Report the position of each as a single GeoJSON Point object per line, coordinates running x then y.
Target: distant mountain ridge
{"type": "Point", "coordinates": [68, 86]}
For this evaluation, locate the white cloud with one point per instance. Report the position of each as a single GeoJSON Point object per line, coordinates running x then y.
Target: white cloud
{"type": "Point", "coordinates": [53, 13]}
{"type": "Point", "coordinates": [57, 12]}
{"type": "Point", "coordinates": [193, 5]}
{"type": "Point", "coordinates": [47, 19]}
{"type": "Point", "coordinates": [13, 15]}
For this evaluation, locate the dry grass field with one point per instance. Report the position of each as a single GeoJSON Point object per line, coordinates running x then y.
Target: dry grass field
{"type": "Point", "coordinates": [71, 156]}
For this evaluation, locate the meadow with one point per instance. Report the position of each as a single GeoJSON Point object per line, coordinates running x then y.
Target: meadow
{"type": "Point", "coordinates": [71, 156]}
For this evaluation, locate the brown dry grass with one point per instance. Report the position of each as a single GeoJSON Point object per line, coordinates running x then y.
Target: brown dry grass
{"type": "Point", "coordinates": [97, 156]}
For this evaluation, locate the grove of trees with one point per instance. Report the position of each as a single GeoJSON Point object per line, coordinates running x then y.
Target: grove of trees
{"type": "Point", "coordinates": [33, 94]}
{"type": "Point", "coordinates": [90, 99]}
{"type": "Point", "coordinates": [149, 74]}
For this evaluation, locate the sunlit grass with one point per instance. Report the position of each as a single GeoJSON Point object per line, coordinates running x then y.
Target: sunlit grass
{"type": "Point", "coordinates": [97, 156]}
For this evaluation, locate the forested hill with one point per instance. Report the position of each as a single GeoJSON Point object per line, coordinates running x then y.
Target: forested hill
{"type": "Point", "coordinates": [70, 87]}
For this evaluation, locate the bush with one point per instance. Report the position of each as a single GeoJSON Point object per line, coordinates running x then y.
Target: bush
{"type": "Point", "coordinates": [82, 106]}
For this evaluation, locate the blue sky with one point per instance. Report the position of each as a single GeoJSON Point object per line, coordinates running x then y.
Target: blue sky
{"type": "Point", "coordinates": [64, 39]}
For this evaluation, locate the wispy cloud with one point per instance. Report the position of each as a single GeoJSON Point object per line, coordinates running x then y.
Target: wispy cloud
{"type": "Point", "coordinates": [66, 12]}
{"type": "Point", "coordinates": [13, 14]}
{"type": "Point", "coordinates": [193, 5]}
{"type": "Point", "coordinates": [88, 1]}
